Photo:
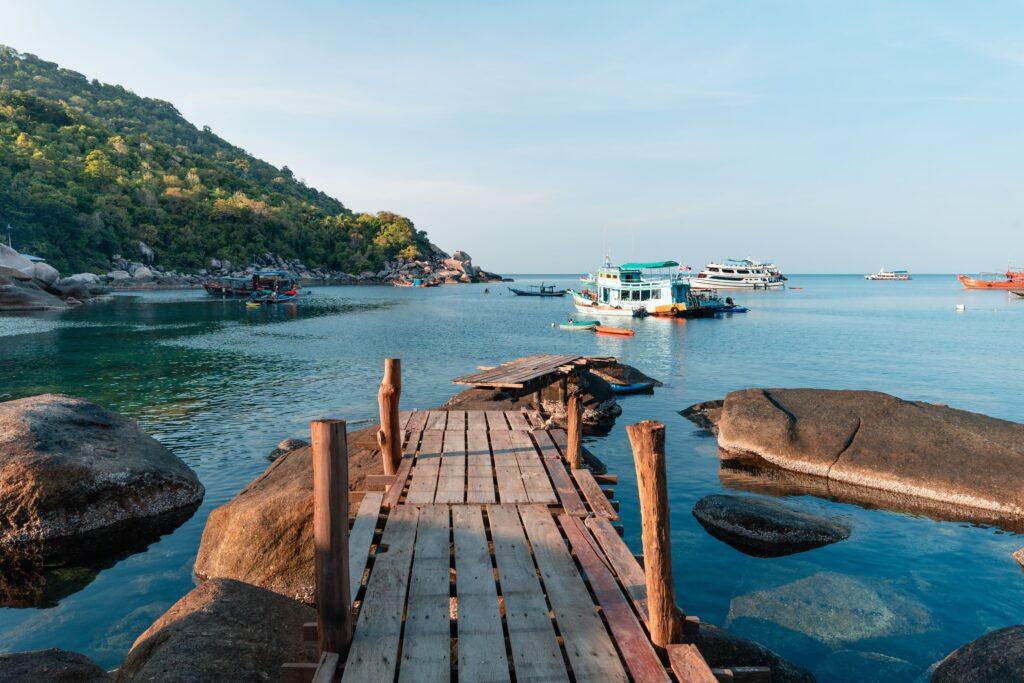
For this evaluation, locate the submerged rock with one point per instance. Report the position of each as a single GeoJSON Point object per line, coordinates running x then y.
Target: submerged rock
{"type": "Point", "coordinates": [59, 666]}
{"type": "Point", "coordinates": [878, 441]}
{"type": "Point", "coordinates": [77, 478]}
{"type": "Point", "coordinates": [1019, 556]}
{"type": "Point", "coordinates": [849, 666]}
{"type": "Point", "coordinates": [705, 415]}
{"type": "Point", "coordinates": [222, 630]}
{"type": "Point", "coordinates": [996, 656]}
{"type": "Point", "coordinates": [720, 648]}
{"type": "Point", "coordinates": [765, 528]}
{"type": "Point", "coordinates": [264, 535]}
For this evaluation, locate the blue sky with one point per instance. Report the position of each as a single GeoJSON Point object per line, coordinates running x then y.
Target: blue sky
{"type": "Point", "coordinates": [831, 137]}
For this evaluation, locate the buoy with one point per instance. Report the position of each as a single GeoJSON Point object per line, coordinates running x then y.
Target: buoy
{"type": "Point", "coordinates": [960, 308]}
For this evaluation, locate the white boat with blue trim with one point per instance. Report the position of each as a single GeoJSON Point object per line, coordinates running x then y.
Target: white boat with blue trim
{"type": "Point", "coordinates": [657, 288]}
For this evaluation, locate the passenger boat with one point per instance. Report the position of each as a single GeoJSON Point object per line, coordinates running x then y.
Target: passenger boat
{"type": "Point", "coordinates": [262, 280]}
{"type": "Point", "coordinates": [884, 274]}
{"type": "Point", "coordinates": [1012, 279]}
{"type": "Point", "coordinates": [538, 290]}
{"type": "Point", "coordinates": [628, 290]}
{"type": "Point", "coordinates": [739, 274]}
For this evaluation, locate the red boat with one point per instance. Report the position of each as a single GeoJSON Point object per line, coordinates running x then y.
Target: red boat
{"type": "Point", "coordinates": [1013, 278]}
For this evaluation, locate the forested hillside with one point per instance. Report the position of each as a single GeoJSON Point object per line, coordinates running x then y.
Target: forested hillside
{"type": "Point", "coordinates": [87, 170]}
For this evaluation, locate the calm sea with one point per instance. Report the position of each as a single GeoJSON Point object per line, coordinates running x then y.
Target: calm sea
{"type": "Point", "coordinates": [220, 385]}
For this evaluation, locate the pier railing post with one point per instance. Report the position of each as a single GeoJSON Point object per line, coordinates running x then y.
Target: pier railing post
{"type": "Point", "coordinates": [574, 428]}
{"type": "Point", "coordinates": [330, 535]}
{"type": "Point", "coordinates": [389, 436]}
{"type": "Point", "coordinates": [648, 441]}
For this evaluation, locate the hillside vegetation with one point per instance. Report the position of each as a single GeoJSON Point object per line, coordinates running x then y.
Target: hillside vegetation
{"type": "Point", "coordinates": [87, 170]}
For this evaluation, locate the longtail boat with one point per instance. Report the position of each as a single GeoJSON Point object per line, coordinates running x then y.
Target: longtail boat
{"type": "Point", "coordinates": [280, 281]}
{"type": "Point", "coordinates": [538, 290]}
{"type": "Point", "coordinates": [1012, 279]}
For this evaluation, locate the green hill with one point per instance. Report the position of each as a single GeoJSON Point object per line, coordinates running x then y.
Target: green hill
{"type": "Point", "coordinates": [87, 170]}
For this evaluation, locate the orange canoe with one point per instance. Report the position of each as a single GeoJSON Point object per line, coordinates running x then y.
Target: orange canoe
{"type": "Point", "coordinates": [1014, 280]}
{"type": "Point", "coordinates": [620, 331]}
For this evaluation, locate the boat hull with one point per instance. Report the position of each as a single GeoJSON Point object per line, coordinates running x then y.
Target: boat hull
{"type": "Point", "coordinates": [705, 283]}
{"type": "Point", "coordinates": [975, 283]}
{"type": "Point", "coordinates": [598, 309]}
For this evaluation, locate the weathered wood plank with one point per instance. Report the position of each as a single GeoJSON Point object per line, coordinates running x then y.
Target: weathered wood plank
{"type": "Point", "coordinates": [394, 493]}
{"type": "Point", "coordinates": [531, 467]}
{"type": "Point", "coordinates": [599, 504]}
{"type": "Point", "coordinates": [688, 665]}
{"type": "Point", "coordinates": [640, 657]}
{"type": "Point", "coordinates": [456, 420]}
{"type": "Point", "coordinates": [517, 420]}
{"type": "Point", "coordinates": [327, 668]}
{"type": "Point", "coordinates": [546, 445]}
{"type": "Point", "coordinates": [451, 480]}
{"type": "Point", "coordinates": [374, 652]}
{"type": "Point", "coordinates": [535, 652]}
{"type": "Point", "coordinates": [426, 649]}
{"type": "Point", "coordinates": [417, 421]}
{"type": "Point", "coordinates": [622, 560]}
{"type": "Point", "coordinates": [476, 420]}
{"type": "Point", "coordinates": [403, 419]}
{"type": "Point", "coordinates": [481, 640]}
{"type": "Point", "coordinates": [426, 469]}
{"type": "Point", "coordinates": [567, 495]}
{"type": "Point", "coordinates": [361, 537]}
{"type": "Point", "coordinates": [511, 488]}
{"type": "Point", "coordinates": [591, 652]}
{"type": "Point", "coordinates": [496, 420]}
{"type": "Point", "coordinates": [436, 419]}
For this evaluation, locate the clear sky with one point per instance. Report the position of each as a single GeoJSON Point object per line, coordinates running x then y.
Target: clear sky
{"type": "Point", "coordinates": [831, 137]}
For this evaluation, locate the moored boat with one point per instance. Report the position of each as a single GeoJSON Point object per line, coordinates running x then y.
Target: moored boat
{"type": "Point", "coordinates": [538, 290]}
{"type": "Point", "coordinates": [614, 331]}
{"type": "Point", "coordinates": [576, 326]}
{"type": "Point", "coordinates": [265, 280]}
{"type": "Point", "coordinates": [636, 388]}
{"type": "Point", "coordinates": [1012, 279]}
{"type": "Point", "coordinates": [415, 282]}
{"type": "Point", "coordinates": [632, 289]}
{"type": "Point", "coordinates": [739, 274]}
{"type": "Point", "coordinates": [884, 274]}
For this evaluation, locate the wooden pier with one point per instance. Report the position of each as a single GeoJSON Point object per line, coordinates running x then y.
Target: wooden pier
{"type": "Point", "coordinates": [490, 558]}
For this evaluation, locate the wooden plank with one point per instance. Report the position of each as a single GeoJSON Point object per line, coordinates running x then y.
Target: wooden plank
{"type": "Point", "coordinates": [545, 445]}
{"type": "Point", "coordinates": [361, 537]}
{"type": "Point", "coordinates": [622, 560]}
{"type": "Point", "coordinates": [374, 652]}
{"type": "Point", "coordinates": [688, 665]}
{"type": "Point", "coordinates": [535, 419]}
{"type": "Point", "coordinates": [517, 420]}
{"type": "Point", "coordinates": [426, 469]}
{"type": "Point", "coordinates": [599, 504]}
{"type": "Point", "coordinates": [496, 420]}
{"type": "Point", "coordinates": [436, 419]}
{"type": "Point", "coordinates": [639, 655]}
{"type": "Point", "coordinates": [535, 652]}
{"type": "Point", "coordinates": [591, 652]}
{"type": "Point", "coordinates": [560, 437]}
{"type": "Point", "coordinates": [476, 420]}
{"type": "Point", "coordinates": [417, 421]}
{"type": "Point", "coordinates": [481, 639]}
{"type": "Point", "coordinates": [479, 471]}
{"type": "Point", "coordinates": [403, 419]}
{"type": "Point", "coordinates": [567, 495]}
{"type": "Point", "coordinates": [506, 469]}
{"type": "Point", "coordinates": [531, 467]}
{"type": "Point", "coordinates": [451, 480]}
{"type": "Point", "coordinates": [426, 649]}
{"type": "Point", "coordinates": [394, 493]}
{"type": "Point", "coordinates": [327, 669]}
{"type": "Point", "coordinates": [456, 420]}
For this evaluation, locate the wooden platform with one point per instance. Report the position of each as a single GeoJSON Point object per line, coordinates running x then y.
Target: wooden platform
{"type": "Point", "coordinates": [524, 373]}
{"type": "Point", "coordinates": [488, 560]}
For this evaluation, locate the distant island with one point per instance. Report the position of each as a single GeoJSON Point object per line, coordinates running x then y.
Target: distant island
{"type": "Point", "coordinates": [90, 171]}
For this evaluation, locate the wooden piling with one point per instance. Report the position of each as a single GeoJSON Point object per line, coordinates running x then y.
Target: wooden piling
{"type": "Point", "coordinates": [574, 430]}
{"type": "Point", "coordinates": [330, 535]}
{"type": "Point", "coordinates": [648, 441]}
{"type": "Point", "coordinates": [389, 436]}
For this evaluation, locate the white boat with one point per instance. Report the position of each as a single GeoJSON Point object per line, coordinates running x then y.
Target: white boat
{"type": "Point", "coordinates": [739, 274]}
{"type": "Point", "coordinates": [884, 274]}
{"type": "Point", "coordinates": [627, 290]}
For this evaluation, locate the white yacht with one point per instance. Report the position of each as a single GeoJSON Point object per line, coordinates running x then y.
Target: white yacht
{"type": "Point", "coordinates": [884, 274]}
{"type": "Point", "coordinates": [739, 274]}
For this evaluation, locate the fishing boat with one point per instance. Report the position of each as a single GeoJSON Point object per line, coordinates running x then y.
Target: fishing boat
{"type": "Point", "coordinates": [538, 290]}
{"type": "Point", "coordinates": [265, 280]}
{"type": "Point", "coordinates": [1019, 292]}
{"type": "Point", "coordinates": [739, 274]}
{"type": "Point", "coordinates": [1012, 279]}
{"type": "Point", "coordinates": [633, 287]}
{"type": "Point", "coordinates": [614, 331]}
{"type": "Point", "coordinates": [884, 274]}
{"type": "Point", "coordinates": [416, 282]}
{"type": "Point", "coordinates": [637, 388]}
{"type": "Point", "coordinates": [578, 325]}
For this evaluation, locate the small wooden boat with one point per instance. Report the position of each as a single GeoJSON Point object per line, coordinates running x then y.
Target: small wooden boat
{"type": "Point", "coordinates": [577, 326]}
{"type": "Point", "coordinates": [616, 331]}
{"type": "Point", "coordinates": [637, 388]}
{"type": "Point", "coordinates": [538, 290]}
{"type": "Point", "coordinates": [1019, 292]}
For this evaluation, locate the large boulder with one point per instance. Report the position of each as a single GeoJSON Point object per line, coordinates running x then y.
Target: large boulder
{"type": "Point", "coordinates": [765, 528]}
{"type": "Point", "coordinates": [222, 630]}
{"type": "Point", "coordinates": [996, 656]}
{"type": "Point", "coordinates": [722, 649]}
{"type": "Point", "coordinates": [264, 535]}
{"type": "Point", "coordinates": [80, 278]}
{"type": "Point", "coordinates": [143, 274]}
{"type": "Point", "coordinates": [24, 295]}
{"type": "Point", "coordinates": [53, 666]}
{"type": "Point", "coordinates": [118, 276]}
{"type": "Point", "coordinates": [44, 273]}
{"type": "Point", "coordinates": [77, 478]}
{"type": "Point", "coordinates": [879, 441]}
{"type": "Point", "coordinates": [146, 252]}
{"type": "Point", "coordinates": [14, 265]}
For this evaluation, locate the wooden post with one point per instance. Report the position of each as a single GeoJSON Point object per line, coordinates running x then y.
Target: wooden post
{"type": "Point", "coordinates": [648, 441]}
{"type": "Point", "coordinates": [563, 390]}
{"type": "Point", "coordinates": [330, 535]}
{"type": "Point", "coordinates": [574, 427]}
{"type": "Point", "coordinates": [389, 436]}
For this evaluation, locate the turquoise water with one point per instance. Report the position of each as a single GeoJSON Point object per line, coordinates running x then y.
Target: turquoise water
{"type": "Point", "coordinates": [220, 385]}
